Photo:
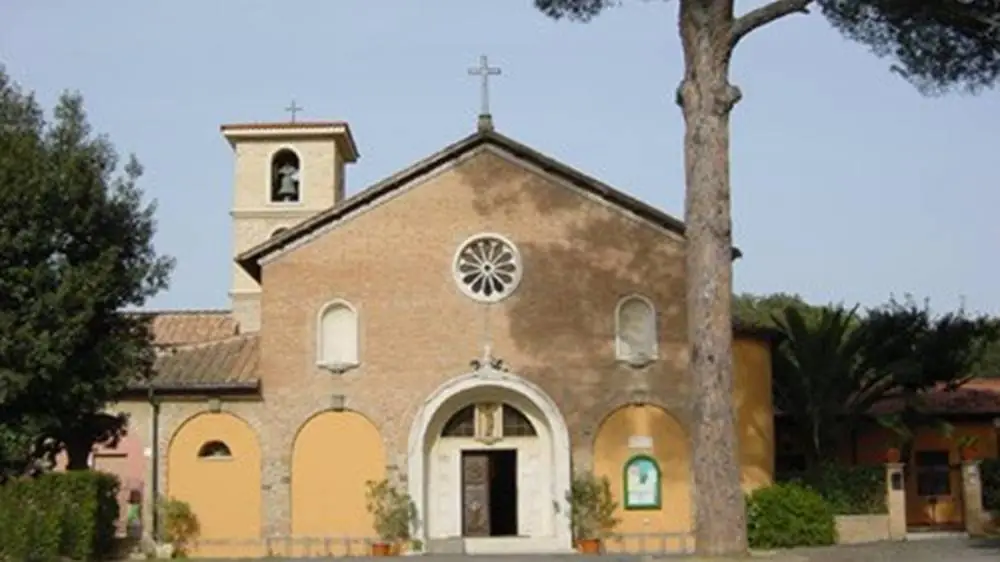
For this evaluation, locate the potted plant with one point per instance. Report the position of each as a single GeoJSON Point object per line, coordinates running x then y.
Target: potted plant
{"type": "Point", "coordinates": [892, 454]}
{"type": "Point", "coordinates": [899, 436]}
{"type": "Point", "coordinates": [180, 528]}
{"type": "Point", "coordinates": [416, 547]}
{"type": "Point", "coordinates": [394, 514]}
{"type": "Point", "coordinates": [967, 446]}
{"type": "Point", "coordinates": [592, 511]}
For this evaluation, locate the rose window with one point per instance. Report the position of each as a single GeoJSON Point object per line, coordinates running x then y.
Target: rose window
{"type": "Point", "coordinates": [487, 268]}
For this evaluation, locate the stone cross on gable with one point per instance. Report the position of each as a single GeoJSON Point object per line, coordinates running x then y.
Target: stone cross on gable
{"type": "Point", "coordinates": [484, 71]}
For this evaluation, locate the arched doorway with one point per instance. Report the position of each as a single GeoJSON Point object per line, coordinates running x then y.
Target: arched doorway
{"type": "Point", "coordinates": [489, 465]}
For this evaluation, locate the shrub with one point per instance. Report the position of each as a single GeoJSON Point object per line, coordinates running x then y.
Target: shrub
{"type": "Point", "coordinates": [180, 524]}
{"type": "Point", "coordinates": [990, 474]}
{"type": "Point", "coordinates": [64, 514]}
{"type": "Point", "coordinates": [91, 509]}
{"type": "Point", "coordinates": [850, 490]}
{"type": "Point", "coordinates": [30, 527]}
{"type": "Point", "coordinates": [787, 515]}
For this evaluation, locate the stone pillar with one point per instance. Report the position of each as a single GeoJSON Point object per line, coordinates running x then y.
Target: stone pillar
{"type": "Point", "coordinates": [895, 499]}
{"type": "Point", "coordinates": [972, 498]}
{"type": "Point", "coordinates": [276, 494]}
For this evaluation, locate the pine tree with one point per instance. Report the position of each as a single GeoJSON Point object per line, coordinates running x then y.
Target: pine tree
{"type": "Point", "coordinates": [938, 45]}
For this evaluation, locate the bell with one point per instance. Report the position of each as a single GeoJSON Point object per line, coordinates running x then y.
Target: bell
{"type": "Point", "coordinates": [287, 190]}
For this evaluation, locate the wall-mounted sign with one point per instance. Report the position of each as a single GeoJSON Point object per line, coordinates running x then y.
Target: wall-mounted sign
{"type": "Point", "coordinates": [641, 480]}
{"type": "Point", "coordinates": [640, 442]}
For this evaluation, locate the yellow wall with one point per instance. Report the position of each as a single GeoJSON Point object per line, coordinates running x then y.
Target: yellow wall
{"type": "Point", "coordinates": [942, 511]}
{"type": "Point", "coordinates": [671, 451]}
{"type": "Point", "coordinates": [671, 446]}
{"type": "Point", "coordinates": [334, 454]}
{"type": "Point", "coordinates": [754, 411]}
{"type": "Point", "coordinates": [223, 492]}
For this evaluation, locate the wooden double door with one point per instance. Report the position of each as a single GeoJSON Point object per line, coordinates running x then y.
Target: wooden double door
{"type": "Point", "coordinates": [489, 493]}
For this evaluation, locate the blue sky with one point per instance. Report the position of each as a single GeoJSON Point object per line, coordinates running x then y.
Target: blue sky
{"type": "Point", "coordinates": [847, 184]}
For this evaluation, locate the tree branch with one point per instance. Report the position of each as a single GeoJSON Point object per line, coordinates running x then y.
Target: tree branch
{"type": "Point", "coordinates": [764, 15]}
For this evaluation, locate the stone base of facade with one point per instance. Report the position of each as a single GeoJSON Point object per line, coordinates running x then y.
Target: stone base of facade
{"type": "Point", "coordinates": [516, 545]}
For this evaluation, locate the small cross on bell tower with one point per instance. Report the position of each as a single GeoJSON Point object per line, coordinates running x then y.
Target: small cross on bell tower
{"type": "Point", "coordinates": [293, 109]}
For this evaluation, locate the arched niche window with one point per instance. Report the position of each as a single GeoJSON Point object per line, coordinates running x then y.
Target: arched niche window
{"type": "Point", "coordinates": [461, 424]}
{"type": "Point", "coordinates": [214, 450]}
{"type": "Point", "coordinates": [285, 170]}
{"type": "Point", "coordinates": [516, 424]}
{"type": "Point", "coordinates": [338, 337]}
{"type": "Point", "coordinates": [635, 330]}
{"type": "Point", "coordinates": [479, 421]}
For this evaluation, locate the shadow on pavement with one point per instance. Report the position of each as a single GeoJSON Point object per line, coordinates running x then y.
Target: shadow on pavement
{"type": "Point", "coordinates": [986, 543]}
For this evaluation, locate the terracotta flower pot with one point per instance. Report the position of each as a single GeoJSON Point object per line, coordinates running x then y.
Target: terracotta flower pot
{"type": "Point", "coordinates": [589, 546]}
{"type": "Point", "coordinates": [892, 455]}
{"type": "Point", "coordinates": [381, 549]}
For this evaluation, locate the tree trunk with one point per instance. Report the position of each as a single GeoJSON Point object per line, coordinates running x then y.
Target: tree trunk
{"type": "Point", "coordinates": [78, 455]}
{"type": "Point", "coordinates": [706, 98]}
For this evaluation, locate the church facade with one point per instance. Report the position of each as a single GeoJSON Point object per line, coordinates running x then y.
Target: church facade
{"type": "Point", "coordinates": [474, 328]}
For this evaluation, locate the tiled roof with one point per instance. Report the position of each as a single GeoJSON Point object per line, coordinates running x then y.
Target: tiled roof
{"type": "Point", "coordinates": [186, 327]}
{"type": "Point", "coordinates": [978, 396]}
{"type": "Point", "coordinates": [226, 363]}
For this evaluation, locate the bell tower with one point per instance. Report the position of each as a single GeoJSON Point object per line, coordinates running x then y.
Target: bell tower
{"type": "Point", "coordinates": [283, 174]}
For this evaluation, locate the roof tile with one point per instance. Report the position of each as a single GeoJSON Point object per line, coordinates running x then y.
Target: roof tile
{"type": "Point", "coordinates": [979, 396]}
{"type": "Point", "coordinates": [224, 362]}
{"type": "Point", "coordinates": [186, 327]}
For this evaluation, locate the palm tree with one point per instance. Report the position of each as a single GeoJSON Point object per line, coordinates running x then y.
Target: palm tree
{"type": "Point", "coordinates": [824, 383]}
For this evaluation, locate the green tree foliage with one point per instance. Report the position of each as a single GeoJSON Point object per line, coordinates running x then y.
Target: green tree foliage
{"type": "Point", "coordinates": [922, 349]}
{"type": "Point", "coordinates": [849, 490]}
{"type": "Point", "coordinates": [936, 44]}
{"type": "Point", "coordinates": [820, 372]}
{"type": "Point", "coordinates": [990, 471]}
{"type": "Point", "coordinates": [765, 310]}
{"type": "Point", "coordinates": [989, 364]}
{"type": "Point", "coordinates": [827, 376]}
{"type": "Point", "coordinates": [75, 252]}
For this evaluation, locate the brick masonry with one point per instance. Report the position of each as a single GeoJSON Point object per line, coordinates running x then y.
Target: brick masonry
{"type": "Point", "coordinates": [393, 263]}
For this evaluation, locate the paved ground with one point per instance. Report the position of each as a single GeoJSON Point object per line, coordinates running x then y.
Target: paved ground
{"type": "Point", "coordinates": [937, 550]}
{"type": "Point", "coordinates": [941, 550]}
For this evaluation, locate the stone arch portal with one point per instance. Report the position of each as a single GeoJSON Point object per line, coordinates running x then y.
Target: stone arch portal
{"type": "Point", "coordinates": [436, 467]}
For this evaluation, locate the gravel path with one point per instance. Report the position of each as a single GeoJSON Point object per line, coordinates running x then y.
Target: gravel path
{"type": "Point", "coordinates": [937, 550]}
{"type": "Point", "coordinates": [928, 550]}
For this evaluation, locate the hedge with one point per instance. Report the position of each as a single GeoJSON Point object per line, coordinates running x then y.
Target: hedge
{"type": "Point", "coordinates": [58, 515]}
{"type": "Point", "coordinates": [850, 490]}
{"type": "Point", "coordinates": [989, 471]}
{"type": "Point", "coordinates": [788, 515]}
